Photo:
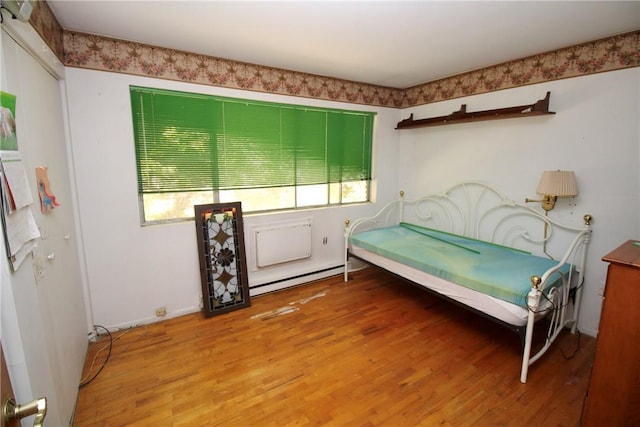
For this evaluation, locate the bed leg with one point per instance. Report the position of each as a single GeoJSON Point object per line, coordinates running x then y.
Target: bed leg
{"type": "Point", "coordinates": [576, 303]}
{"type": "Point", "coordinates": [583, 262]}
{"type": "Point", "coordinates": [346, 249]}
{"type": "Point", "coordinates": [532, 301]}
{"type": "Point", "coordinates": [527, 350]}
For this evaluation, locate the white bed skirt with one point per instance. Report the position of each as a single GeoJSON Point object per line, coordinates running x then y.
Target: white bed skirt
{"type": "Point", "coordinates": [499, 309]}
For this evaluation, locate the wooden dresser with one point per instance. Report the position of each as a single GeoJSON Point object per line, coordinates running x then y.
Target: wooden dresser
{"type": "Point", "coordinates": [613, 398]}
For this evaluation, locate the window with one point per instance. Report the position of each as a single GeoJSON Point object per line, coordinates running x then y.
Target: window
{"type": "Point", "coordinates": [196, 149]}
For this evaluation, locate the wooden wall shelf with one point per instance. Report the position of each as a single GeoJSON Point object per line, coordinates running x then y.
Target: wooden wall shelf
{"type": "Point", "coordinates": [539, 108]}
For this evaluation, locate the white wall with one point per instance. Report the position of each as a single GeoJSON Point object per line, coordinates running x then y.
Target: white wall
{"type": "Point", "coordinates": [134, 269]}
{"type": "Point", "coordinates": [44, 332]}
{"type": "Point", "coordinates": [595, 132]}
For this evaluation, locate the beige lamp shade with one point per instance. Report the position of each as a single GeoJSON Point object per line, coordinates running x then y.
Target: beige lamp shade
{"type": "Point", "coordinates": [558, 183]}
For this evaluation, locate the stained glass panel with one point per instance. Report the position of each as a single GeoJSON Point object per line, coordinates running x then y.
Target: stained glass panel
{"type": "Point", "coordinates": [222, 259]}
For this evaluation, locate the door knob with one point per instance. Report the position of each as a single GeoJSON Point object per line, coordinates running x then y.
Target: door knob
{"type": "Point", "coordinates": [11, 410]}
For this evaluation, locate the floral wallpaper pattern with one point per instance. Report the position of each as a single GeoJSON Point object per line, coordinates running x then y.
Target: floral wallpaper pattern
{"type": "Point", "coordinates": [102, 53]}
{"type": "Point", "coordinates": [608, 54]}
{"type": "Point", "coordinates": [46, 24]}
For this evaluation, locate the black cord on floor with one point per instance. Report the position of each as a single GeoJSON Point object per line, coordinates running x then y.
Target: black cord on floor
{"type": "Point", "coordinates": [84, 383]}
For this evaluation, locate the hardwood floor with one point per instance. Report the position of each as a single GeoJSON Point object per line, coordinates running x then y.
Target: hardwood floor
{"type": "Point", "coordinates": [375, 351]}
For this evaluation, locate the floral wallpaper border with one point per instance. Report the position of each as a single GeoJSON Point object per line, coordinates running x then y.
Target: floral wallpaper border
{"type": "Point", "coordinates": [107, 54]}
{"type": "Point", "coordinates": [101, 53]}
{"type": "Point", "coordinates": [45, 23]}
{"type": "Point", "coordinates": [613, 53]}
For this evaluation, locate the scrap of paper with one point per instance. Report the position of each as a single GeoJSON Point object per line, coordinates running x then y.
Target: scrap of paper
{"type": "Point", "coordinates": [47, 199]}
{"type": "Point", "coordinates": [17, 186]}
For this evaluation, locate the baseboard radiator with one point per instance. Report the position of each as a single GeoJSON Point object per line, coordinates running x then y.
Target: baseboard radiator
{"type": "Point", "coordinates": [282, 242]}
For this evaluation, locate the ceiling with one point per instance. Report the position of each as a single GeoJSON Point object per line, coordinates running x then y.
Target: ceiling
{"type": "Point", "coordinates": [389, 43]}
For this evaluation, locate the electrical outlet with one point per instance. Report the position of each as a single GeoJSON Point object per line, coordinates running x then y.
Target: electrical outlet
{"type": "Point", "coordinates": [161, 311]}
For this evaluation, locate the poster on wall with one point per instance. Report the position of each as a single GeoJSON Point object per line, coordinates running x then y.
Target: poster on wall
{"type": "Point", "coordinates": [19, 227]}
{"type": "Point", "coordinates": [47, 199]}
{"type": "Point", "coordinates": [223, 269]}
{"type": "Point", "coordinates": [8, 137]}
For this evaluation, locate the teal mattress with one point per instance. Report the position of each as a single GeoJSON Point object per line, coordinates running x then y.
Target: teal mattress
{"type": "Point", "coordinates": [499, 271]}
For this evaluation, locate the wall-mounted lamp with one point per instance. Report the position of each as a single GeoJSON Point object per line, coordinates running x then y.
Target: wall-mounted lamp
{"type": "Point", "coordinates": [554, 184]}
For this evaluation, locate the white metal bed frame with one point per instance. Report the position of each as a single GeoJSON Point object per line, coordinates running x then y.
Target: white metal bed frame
{"type": "Point", "coordinates": [478, 210]}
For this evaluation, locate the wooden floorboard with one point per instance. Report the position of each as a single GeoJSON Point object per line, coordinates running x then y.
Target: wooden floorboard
{"type": "Point", "coordinates": [375, 351]}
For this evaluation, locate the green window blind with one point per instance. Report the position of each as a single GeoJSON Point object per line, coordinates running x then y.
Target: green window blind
{"type": "Point", "coordinates": [192, 142]}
